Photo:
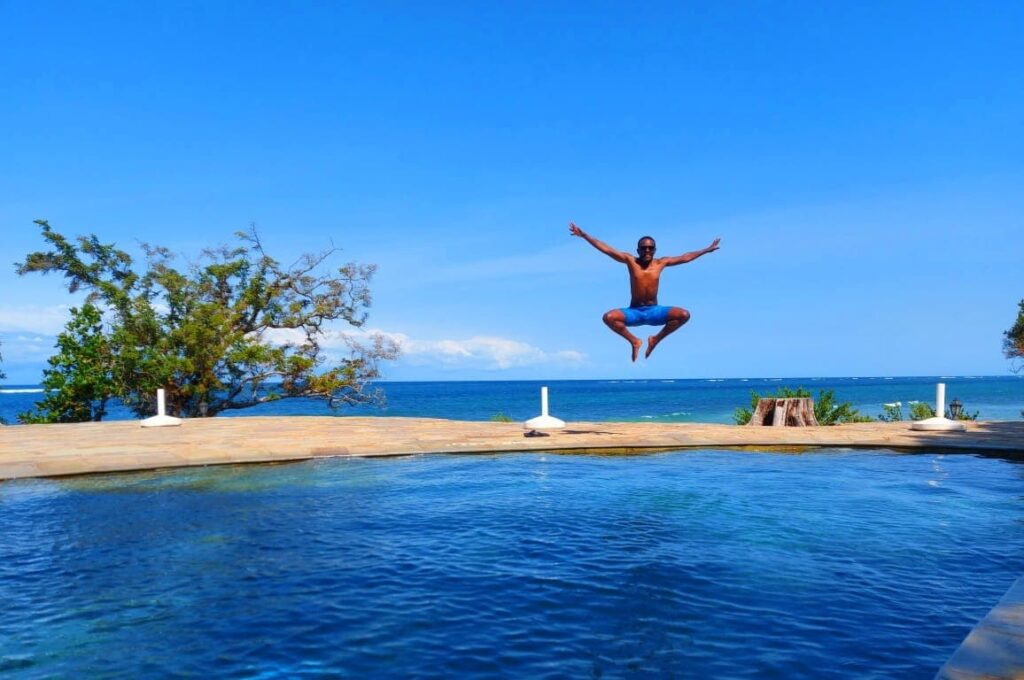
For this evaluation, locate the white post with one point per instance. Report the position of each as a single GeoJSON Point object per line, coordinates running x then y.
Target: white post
{"type": "Point", "coordinates": [161, 419]}
{"type": "Point", "coordinates": [939, 421]}
{"type": "Point", "coordinates": [543, 421]}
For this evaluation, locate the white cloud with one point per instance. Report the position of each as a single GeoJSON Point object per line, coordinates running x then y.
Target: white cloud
{"type": "Point", "coordinates": [33, 319]}
{"type": "Point", "coordinates": [486, 352]}
{"type": "Point", "coordinates": [491, 352]}
{"type": "Point", "coordinates": [26, 347]}
{"type": "Point", "coordinates": [28, 333]}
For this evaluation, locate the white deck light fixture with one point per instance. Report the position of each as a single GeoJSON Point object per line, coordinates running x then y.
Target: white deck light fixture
{"type": "Point", "coordinates": [939, 422]}
{"type": "Point", "coordinates": [161, 419]}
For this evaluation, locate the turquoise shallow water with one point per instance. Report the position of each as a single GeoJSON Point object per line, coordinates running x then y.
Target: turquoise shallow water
{"type": "Point", "coordinates": [838, 564]}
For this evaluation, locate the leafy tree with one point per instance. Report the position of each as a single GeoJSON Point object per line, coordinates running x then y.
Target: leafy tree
{"type": "Point", "coordinates": [1013, 340]}
{"type": "Point", "coordinates": [230, 331]}
{"type": "Point", "coordinates": [826, 410]}
{"type": "Point", "coordinates": [79, 380]}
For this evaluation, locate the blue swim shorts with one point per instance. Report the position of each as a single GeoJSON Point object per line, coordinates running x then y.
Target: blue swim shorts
{"type": "Point", "coordinates": [651, 315]}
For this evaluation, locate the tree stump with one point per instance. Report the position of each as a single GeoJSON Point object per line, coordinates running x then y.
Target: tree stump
{"type": "Point", "coordinates": [790, 412]}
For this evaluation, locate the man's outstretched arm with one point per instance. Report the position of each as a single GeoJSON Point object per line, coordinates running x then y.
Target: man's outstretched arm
{"type": "Point", "coordinates": [691, 256]}
{"type": "Point", "coordinates": [603, 247]}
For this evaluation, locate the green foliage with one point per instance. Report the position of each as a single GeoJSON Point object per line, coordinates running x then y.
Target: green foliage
{"type": "Point", "coordinates": [1013, 339]}
{"type": "Point", "coordinates": [742, 416]}
{"type": "Point", "coordinates": [921, 411]}
{"type": "Point", "coordinates": [79, 379]}
{"type": "Point", "coordinates": [892, 413]}
{"type": "Point", "coordinates": [230, 331]}
{"type": "Point", "coordinates": [501, 417]}
{"type": "Point", "coordinates": [826, 410]}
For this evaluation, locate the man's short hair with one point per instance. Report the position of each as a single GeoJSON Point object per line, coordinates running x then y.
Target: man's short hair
{"type": "Point", "coordinates": [646, 238]}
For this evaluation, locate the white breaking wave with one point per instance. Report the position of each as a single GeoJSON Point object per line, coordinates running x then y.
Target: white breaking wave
{"type": "Point", "coordinates": [23, 391]}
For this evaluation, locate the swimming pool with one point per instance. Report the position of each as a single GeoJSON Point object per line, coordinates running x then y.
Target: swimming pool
{"type": "Point", "coordinates": [697, 564]}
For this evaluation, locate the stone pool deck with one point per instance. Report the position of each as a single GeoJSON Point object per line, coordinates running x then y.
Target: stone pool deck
{"type": "Point", "coordinates": [84, 448]}
{"type": "Point", "coordinates": [995, 648]}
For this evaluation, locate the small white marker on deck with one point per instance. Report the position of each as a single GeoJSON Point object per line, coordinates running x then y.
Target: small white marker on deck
{"type": "Point", "coordinates": [543, 421]}
{"type": "Point", "coordinates": [939, 422]}
{"type": "Point", "coordinates": [161, 419]}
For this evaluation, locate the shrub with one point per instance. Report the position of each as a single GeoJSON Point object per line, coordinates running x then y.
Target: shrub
{"type": "Point", "coordinates": [826, 410]}
{"type": "Point", "coordinates": [892, 412]}
{"type": "Point", "coordinates": [921, 411]}
{"type": "Point", "coordinates": [501, 417]}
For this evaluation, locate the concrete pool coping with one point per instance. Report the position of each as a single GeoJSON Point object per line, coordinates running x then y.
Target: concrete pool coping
{"type": "Point", "coordinates": [87, 448]}
{"type": "Point", "coordinates": [995, 647]}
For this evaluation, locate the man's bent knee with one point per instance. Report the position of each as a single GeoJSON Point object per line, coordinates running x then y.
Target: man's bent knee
{"type": "Point", "coordinates": [679, 314]}
{"type": "Point", "coordinates": [614, 317]}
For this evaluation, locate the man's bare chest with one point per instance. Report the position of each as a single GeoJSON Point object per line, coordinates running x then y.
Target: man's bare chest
{"type": "Point", "coordinates": [649, 275]}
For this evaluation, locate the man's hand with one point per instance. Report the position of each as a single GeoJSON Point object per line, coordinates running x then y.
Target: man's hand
{"type": "Point", "coordinates": [574, 230]}
{"type": "Point", "coordinates": [713, 247]}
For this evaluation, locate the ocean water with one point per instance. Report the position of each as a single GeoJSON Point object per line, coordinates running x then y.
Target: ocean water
{"type": "Point", "coordinates": [698, 564]}
{"type": "Point", "coordinates": [711, 401]}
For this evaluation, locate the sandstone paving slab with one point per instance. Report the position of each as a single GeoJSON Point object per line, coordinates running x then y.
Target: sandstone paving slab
{"type": "Point", "coordinates": [994, 649]}
{"type": "Point", "coordinates": [67, 449]}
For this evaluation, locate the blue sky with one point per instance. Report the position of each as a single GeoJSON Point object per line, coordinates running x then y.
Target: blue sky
{"type": "Point", "coordinates": [862, 163]}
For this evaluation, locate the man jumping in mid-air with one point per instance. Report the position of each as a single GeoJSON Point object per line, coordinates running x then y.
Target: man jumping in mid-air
{"type": "Point", "coordinates": [644, 275]}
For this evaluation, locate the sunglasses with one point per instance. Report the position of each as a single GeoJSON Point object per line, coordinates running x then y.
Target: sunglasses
{"type": "Point", "coordinates": [645, 247]}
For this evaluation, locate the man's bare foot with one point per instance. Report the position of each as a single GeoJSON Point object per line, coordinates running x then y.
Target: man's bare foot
{"type": "Point", "coordinates": [637, 344]}
{"type": "Point", "coordinates": [652, 342]}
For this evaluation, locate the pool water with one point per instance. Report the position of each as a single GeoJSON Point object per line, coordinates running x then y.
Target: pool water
{"type": "Point", "coordinates": [829, 564]}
